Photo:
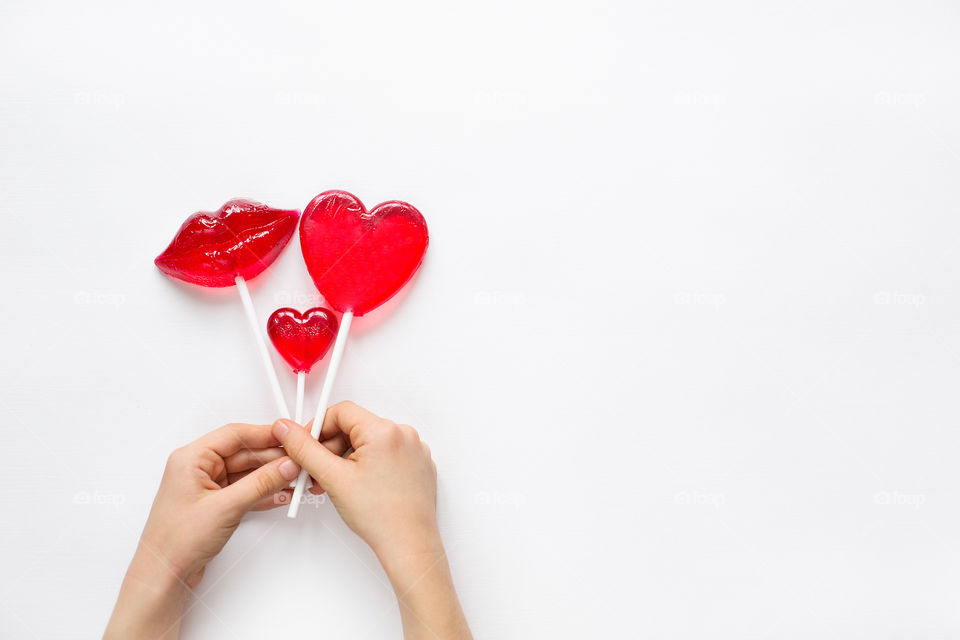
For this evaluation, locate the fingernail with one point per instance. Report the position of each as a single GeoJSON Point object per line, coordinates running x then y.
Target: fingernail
{"type": "Point", "coordinates": [280, 429]}
{"type": "Point", "coordinates": [289, 470]}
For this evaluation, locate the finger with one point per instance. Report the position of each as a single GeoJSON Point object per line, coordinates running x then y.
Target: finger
{"type": "Point", "coordinates": [260, 483]}
{"type": "Point", "coordinates": [233, 478]}
{"type": "Point", "coordinates": [230, 438]}
{"type": "Point", "coordinates": [252, 458]}
{"type": "Point", "coordinates": [338, 445]}
{"type": "Point", "coordinates": [279, 499]}
{"type": "Point", "coordinates": [322, 463]}
{"type": "Point", "coordinates": [194, 579]}
{"type": "Point", "coordinates": [243, 462]}
{"type": "Point", "coordinates": [351, 420]}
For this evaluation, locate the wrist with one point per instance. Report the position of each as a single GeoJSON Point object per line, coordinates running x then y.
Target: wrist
{"type": "Point", "coordinates": [158, 570]}
{"type": "Point", "coordinates": [406, 558]}
{"type": "Point", "coordinates": [156, 585]}
{"type": "Point", "coordinates": [150, 602]}
{"type": "Point", "coordinates": [421, 580]}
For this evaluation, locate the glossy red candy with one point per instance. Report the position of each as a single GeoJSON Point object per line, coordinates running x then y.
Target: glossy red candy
{"type": "Point", "coordinates": [302, 338]}
{"type": "Point", "coordinates": [360, 259]}
{"type": "Point", "coordinates": [241, 238]}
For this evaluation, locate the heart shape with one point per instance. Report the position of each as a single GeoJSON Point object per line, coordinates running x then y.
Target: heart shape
{"type": "Point", "coordinates": [360, 259]}
{"type": "Point", "coordinates": [302, 338]}
{"type": "Point", "coordinates": [241, 238]}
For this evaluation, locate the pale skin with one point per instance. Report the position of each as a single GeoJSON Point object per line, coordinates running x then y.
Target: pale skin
{"type": "Point", "coordinates": [385, 490]}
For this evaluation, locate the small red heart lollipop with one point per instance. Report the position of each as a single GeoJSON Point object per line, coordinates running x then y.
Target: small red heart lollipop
{"type": "Point", "coordinates": [302, 338]}
{"type": "Point", "coordinates": [241, 238]}
{"type": "Point", "coordinates": [360, 259]}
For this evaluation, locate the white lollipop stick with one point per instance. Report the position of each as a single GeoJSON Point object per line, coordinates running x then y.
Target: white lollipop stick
{"type": "Point", "coordinates": [262, 348]}
{"type": "Point", "coordinates": [301, 383]}
{"type": "Point", "coordinates": [298, 412]}
{"type": "Point", "coordinates": [338, 346]}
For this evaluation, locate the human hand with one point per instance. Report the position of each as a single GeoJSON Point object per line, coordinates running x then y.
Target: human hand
{"type": "Point", "coordinates": [385, 490]}
{"type": "Point", "coordinates": [206, 489]}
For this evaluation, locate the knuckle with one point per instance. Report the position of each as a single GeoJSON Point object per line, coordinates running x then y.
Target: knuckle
{"type": "Point", "coordinates": [409, 432]}
{"type": "Point", "coordinates": [346, 404]}
{"type": "Point", "coordinates": [392, 433]}
{"type": "Point", "coordinates": [264, 483]}
{"type": "Point", "coordinates": [177, 457]}
{"type": "Point", "coordinates": [297, 449]}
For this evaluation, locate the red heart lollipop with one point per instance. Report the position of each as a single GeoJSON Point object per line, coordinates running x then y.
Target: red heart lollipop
{"type": "Point", "coordinates": [241, 238]}
{"type": "Point", "coordinates": [302, 338]}
{"type": "Point", "coordinates": [360, 259]}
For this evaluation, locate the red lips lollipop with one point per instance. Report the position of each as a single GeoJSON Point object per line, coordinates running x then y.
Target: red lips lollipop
{"type": "Point", "coordinates": [302, 339]}
{"type": "Point", "coordinates": [228, 246]}
{"type": "Point", "coordinates": [240, 239]}
{"type": "Point", "coordinates": [358, 259]}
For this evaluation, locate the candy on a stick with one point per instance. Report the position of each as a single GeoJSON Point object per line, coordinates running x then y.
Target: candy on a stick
{"type": "Point", "coordinates": [241, 238]}
{"type": "Point", "coordinates": [358, 260]}
{"type": "Point", "coordinates": [228, 247]}
{"type": "Point", "coordinates": [302, 339]}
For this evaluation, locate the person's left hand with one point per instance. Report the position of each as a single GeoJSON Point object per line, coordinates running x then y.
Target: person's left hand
{"type": "Point", "coordinates": [206, 489]}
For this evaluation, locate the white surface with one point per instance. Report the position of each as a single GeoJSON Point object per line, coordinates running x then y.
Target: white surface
{"type": "Point", "coordinates": [685, 345]}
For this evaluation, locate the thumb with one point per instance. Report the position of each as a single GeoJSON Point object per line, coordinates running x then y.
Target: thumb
{"type": "Point", "coordinates": [261, 483]}
{"type": "Point", "coordinates": [320, 462]}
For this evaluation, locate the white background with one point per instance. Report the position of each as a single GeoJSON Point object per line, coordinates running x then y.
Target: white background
{"type": "Point", "coordinates": [685, 344]}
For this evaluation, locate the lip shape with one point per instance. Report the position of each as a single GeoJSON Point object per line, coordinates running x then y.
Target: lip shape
{"type": "Point", "coordinates": [302, 338]}
{"type": "Point", "coordinates": [241, 238]}
{"type": "Point", "coordinates": [358, 259]}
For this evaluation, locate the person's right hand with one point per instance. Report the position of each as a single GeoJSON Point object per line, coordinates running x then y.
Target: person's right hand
{"type": "Point", "coordinates": [385, 490]}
